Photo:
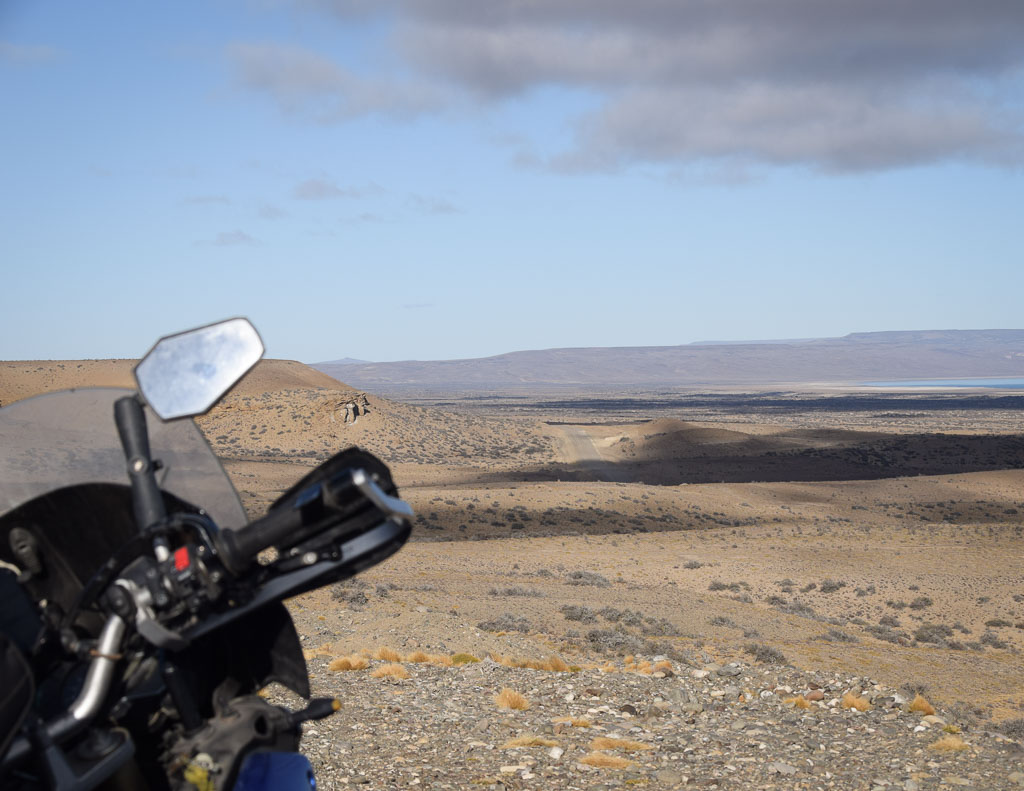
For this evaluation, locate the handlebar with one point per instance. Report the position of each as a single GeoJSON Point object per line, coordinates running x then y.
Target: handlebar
{"type": "Point", "coordinates": [147, 502]}
{"type": "Point", "coordinates": [312, 510]}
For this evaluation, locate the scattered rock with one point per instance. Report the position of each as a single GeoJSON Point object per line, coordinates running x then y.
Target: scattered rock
{"type": "Point", "coordinates": [670, 777]}
{"type": "Point", "coordinates": [443, 732]}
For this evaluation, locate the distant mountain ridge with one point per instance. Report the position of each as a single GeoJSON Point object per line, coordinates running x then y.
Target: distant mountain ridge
{"type": "Point", "coordinates": [857, 357]}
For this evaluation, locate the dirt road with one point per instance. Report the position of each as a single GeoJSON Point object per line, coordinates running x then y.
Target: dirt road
{"type": "Point", "coordinates": [579, 449]}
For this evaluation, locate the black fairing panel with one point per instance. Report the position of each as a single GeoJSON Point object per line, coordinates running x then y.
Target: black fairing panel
{"type": "Point", "coordinates": [253, 650]}
{"type": "Point", "coordinates": [77, 529]}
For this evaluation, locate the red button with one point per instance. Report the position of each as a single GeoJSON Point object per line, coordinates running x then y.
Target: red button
{"type": "Point", "coordinates": [181, 560]}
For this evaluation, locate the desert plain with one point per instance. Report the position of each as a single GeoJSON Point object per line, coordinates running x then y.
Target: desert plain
{"type": "Point", "coordinates": [843, 530]}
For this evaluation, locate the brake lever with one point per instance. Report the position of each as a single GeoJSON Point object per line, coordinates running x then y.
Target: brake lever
{"type": "Point", "coordinates": [391, 506]}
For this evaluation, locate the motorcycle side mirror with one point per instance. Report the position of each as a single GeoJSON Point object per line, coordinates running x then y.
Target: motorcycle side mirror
{"type": "Point", "coordinates": [185, 374]}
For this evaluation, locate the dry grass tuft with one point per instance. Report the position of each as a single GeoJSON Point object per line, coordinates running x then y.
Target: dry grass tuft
{"type": "Point", "coordinates": [576, 722]}
{"type": "Point", "coordinates": [390, 671]}
{"type": "Point", "coordinates": [921, 705]}
{"type": "Point", "coordinates": [324, 650]}
{"type": "Point", "coordinates": [417, 657]}
{"type": "Point", "coordinates": [527, 740]}
{"type": "Point", "coordinates": [626, 745]}
{"type": "Point", "coordinates": [352, 662]}
{"type": "Point", "coordinates": [387, 655]}
{"type": "Point", "coordinates": [799, 702]}
{"type": "Point", "coordinates": [557, 665]}
{"type": "Point", "coordinates": [663, 665]}
{"type": "Point", "coordinates": [463, 659]}
{"type": "Point", "coordinates": [510, 699]}
{"type": "Point", "coordinates": [605, 761]}
{"type": "Point", "coordinates": [851, 701]}
{"type": "Point", "coordinates": [440, 659]}
{"type": "Point", "coordinates": [949, 744]}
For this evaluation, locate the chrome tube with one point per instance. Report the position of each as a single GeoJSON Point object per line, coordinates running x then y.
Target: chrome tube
{"type": "Point", "coordinates": [89, 701]}
{"type": "Point", "coordinates": [101, 671]}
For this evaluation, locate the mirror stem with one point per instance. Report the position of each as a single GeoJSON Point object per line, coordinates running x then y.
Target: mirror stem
{"type": "Point", "coordinates": [147, 501]}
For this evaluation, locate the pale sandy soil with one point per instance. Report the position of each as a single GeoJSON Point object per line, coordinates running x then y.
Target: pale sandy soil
{"type": "Point", "coordinates": [549, 505]}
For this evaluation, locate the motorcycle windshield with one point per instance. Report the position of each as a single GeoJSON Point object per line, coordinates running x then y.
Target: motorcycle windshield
{"type": "Point", "coordinates": [63, 439]}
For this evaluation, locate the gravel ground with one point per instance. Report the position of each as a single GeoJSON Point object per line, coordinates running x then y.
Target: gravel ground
{"type": "Point", "coordinates": [689, 724]}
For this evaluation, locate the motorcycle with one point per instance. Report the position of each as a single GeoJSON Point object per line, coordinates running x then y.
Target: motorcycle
{"type": "Point", "coordinates": [140, 612]}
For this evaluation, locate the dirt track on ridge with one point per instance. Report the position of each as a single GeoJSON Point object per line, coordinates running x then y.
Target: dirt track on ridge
{"type": "Point", "coordinates": [579, 449]}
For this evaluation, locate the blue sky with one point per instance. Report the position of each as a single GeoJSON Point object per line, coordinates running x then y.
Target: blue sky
{"type": "Point", "coordinates": [430, 179]}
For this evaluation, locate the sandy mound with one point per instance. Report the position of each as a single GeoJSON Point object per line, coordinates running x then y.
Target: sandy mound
{"type": "Point", "coordinates": [311, 424]}
{"type": "Point", "coordinates": [25, 378]}
{"type": "Point", "coordinates": [271, 375]}
{"type": "Point", "coordinates": [284, 411]}
{"type": "Point", "coordinates": [668, 438]}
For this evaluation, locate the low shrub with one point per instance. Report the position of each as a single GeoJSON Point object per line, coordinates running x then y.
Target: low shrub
{"type": "Point", "coordinates": [932, 633]}
{"type": "Point", "coordinates": [506, 622]}
{"type": "Point", "coordinates": [586, 578]}
{"type": "Point", "coordinates": [766, 654]}
{"type": "Point", "coordinates": [993, 640]}
{"type": "Point", "coordinates": [575, 612]}
{"type": "Point", "coordinates": [836, 636]}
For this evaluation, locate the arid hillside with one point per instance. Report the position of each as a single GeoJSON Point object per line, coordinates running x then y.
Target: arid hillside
{"type": "Point", "coordinates": [25, 378]}
{"type": "Point", "coordinates": [286, 413]}
{"type": "Point", "coordinates": [877, 538]}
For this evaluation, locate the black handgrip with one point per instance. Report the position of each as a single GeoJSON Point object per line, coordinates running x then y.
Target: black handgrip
{"type": "Point", "coordinates": [238, 548]}
{"type": "Point", "coordinates": [288, 523]}
{"type": "Point", "coordinates": [147, 502]}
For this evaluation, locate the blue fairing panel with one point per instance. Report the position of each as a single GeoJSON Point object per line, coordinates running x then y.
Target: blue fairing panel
{"type": "Point", "coordinates": [268, 771]}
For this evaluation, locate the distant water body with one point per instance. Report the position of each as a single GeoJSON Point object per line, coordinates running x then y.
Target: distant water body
{"type": "Point", "coordinates": [1002, 384]}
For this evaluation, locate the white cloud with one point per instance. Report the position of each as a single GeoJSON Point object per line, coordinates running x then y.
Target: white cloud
{"type": "Point", "coordinates": [206, 200]}
{"type": "Point", "coordinates": [231, 238]}
{"type": "Point", "coordinates": [320, 189]}
{"type": "Point", "coordinates": [432, 205]}
{"type": "Point", "coordinates": [268, 211]}
{"type": "Point", "coordinates": [306, 83]}
{"type": "Point", "coordinates": [837, 85]}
